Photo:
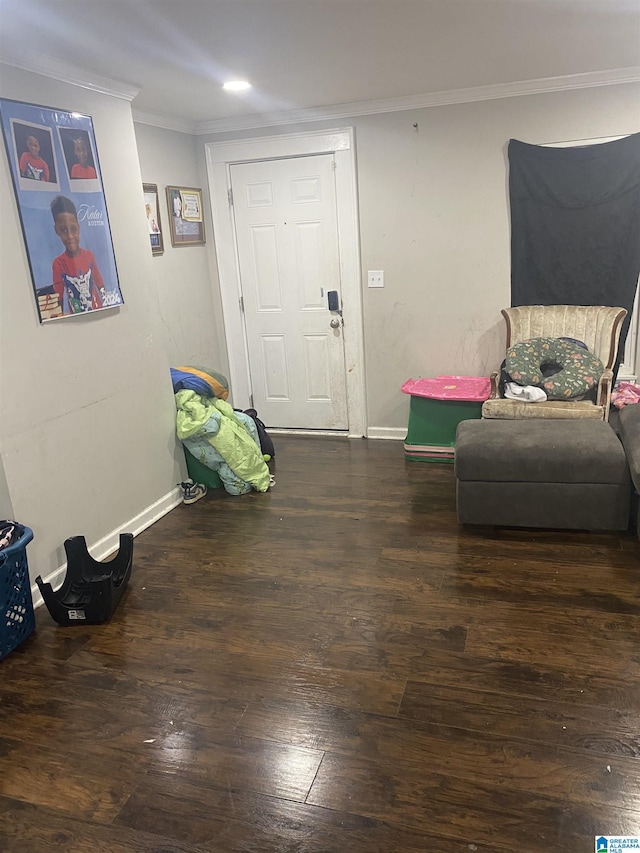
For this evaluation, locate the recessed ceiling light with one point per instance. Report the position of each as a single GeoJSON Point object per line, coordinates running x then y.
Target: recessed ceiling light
{"type": "Point", "coordinates": [236, 85]}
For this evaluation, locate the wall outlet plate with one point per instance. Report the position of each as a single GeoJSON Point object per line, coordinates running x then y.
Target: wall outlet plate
{"type": "Point", "coordinates": [375, 278]}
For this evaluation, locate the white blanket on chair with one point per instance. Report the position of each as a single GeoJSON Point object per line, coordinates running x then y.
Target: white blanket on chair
{"type": "Point", "coordinates": [526, 393]}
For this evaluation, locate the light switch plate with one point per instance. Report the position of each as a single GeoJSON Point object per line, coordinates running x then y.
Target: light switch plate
{"type": "Point", "coordinates": [375, 278]}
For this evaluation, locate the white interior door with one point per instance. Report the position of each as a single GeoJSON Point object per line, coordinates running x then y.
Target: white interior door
{"type": "Point", "coordinates": [288, 257]}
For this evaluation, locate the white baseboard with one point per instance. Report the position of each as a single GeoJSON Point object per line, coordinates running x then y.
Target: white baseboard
{"type": "Point", "coordinates": [332, 433]}
{"type": "Point", "coordinates": [312, 432]}
{"type": "Point", "coordinates": [394, 433]}
{"type": "Point", "coordinates": [110, 543]}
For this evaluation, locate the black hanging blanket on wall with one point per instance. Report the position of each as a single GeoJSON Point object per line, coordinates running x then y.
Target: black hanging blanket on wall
{"type": "Point", "coordinates": [575, 224]}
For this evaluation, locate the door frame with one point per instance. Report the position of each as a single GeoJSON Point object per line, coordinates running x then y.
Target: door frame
{"type": "Point", "coordinates": [220, 156]}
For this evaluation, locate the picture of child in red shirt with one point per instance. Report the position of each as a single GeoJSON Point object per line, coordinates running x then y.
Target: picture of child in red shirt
{"type": "Point", "coordinates": [81, 168]}
{"type": "Point", "coordinates": [31, 163]}
{"type": "Point", "coordinates": [76, 277]}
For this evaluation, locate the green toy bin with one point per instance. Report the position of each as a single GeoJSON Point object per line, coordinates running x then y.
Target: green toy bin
{"type": "Point", "coordinates": [199, 473]}
{"type": "Point", "coordinates": [437, 407]}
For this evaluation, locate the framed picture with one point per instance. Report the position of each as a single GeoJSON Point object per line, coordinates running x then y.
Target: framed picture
{"type": "Point", "coordinates": [152, 212]}
{"type": "Point", "coordinates": [186, 222]}
{"type": "Point", "coordinates": [58, 188]}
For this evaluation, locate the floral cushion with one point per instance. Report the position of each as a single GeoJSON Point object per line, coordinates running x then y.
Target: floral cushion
{"type": "Point", "coordinates": [530, 363]}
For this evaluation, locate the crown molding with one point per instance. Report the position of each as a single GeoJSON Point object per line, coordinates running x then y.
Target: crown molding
{"type": "Point", "coordinates": [66, 73]}
{"type": "Point", "coordinates": [490, 92]}
{"type": "Point", "coordinates": [165, 122]}
{"type": "Point", "coordinates": [46, 66]}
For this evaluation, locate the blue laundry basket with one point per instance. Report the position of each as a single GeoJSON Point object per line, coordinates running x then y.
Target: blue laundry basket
{"type": "Point", "coordinates": [17, 620]}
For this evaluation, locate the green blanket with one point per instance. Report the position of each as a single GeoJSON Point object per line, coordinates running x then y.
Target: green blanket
{"type": "Point", "coordinates": [214, 421]}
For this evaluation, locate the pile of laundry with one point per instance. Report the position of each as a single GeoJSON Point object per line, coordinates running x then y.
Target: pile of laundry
{"type": "Point", "coordinates": [625, 394]}
{"type": "Point", "coordinates": [10, 532]}
{"type": "Point", "coordinates": [223, 439]}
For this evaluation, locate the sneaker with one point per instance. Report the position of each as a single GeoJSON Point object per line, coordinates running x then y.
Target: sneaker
{"type": "Point", "coordinates": [192, 492]}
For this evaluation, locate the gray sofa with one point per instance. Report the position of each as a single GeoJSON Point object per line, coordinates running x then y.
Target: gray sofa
{"type": "Point", "coordinates": [570, 474]}
{"type": "Point", "coordinates": [626, 423]}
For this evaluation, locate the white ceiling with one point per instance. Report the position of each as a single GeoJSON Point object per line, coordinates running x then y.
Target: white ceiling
{"type": "Point", "coordinates": [303, 54]}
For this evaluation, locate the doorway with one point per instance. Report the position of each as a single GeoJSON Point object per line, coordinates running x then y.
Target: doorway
{"type": "Point", "coordinates": [289, 262]}
{"type": "Point", "coordinates": [286, 228]}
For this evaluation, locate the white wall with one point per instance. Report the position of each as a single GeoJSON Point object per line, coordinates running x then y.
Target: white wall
{"type": "Point", "coordinates": [185, 277]}
{"type": "Point", "coordinates": [434, 217]}
{"type": "Point", "coordinates": [87, 417]}
{"type": "Point", "coordinates": [6, 507]}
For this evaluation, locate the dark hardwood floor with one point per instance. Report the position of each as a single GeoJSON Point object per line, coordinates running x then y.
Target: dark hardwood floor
{"type": "Point", "coordinates": [335, 667]}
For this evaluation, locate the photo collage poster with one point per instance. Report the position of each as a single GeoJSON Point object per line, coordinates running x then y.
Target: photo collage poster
{"type": "Point", "coordinates": [58, 186]}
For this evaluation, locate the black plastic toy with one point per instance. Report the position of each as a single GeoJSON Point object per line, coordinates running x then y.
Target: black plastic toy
{"type": "Point", "coordinates": [91, 590]}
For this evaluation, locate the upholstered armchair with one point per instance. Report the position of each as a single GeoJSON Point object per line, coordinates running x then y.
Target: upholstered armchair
{"type": "Point", "coordinates": [597, 325]}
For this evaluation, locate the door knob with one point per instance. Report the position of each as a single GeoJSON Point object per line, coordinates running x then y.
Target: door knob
{"type": "Point", "coordinates": [335, 323]}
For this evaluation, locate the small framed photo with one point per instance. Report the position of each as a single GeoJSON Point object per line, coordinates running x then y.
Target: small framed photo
{"type": "Point", "coordinates": [186, 222]}
{"type": "Point", "coordinates": [152, 212]}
